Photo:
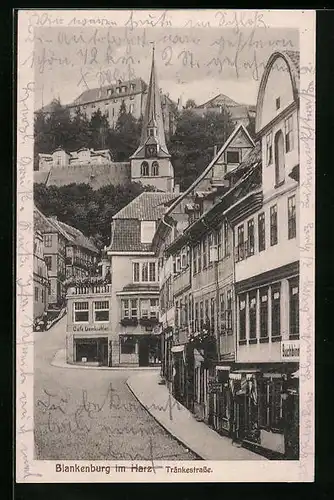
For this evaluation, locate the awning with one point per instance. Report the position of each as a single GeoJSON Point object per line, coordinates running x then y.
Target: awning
{"type": "Point", "coordinates": [247, 370]}
{"type": "Point", "coordinates": [219, 368]}
{"type": "Point", "coordinates": [177, 348]}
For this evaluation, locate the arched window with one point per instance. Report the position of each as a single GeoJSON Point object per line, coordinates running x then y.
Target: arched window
{"type": "Point", "coordinates": [279, 158]}
{"type": "Point", "coordinates": [144, 169]}
{"type": "Point", "coordinates": [155, 168]}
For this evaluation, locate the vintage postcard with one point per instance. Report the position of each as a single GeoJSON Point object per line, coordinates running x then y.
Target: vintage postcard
{"type": "Point", "coordinates": [165, 246]}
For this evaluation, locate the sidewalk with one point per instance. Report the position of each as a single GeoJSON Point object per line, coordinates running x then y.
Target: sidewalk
{"type": "Point", "coordinates": [59, 360]}
{"type": "Point", "coordinates": [181, 423]}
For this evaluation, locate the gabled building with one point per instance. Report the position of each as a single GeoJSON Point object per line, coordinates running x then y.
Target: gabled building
{"type": "Point", "coordinates": [66, 252]}
{"type": "Point", "coordinates": [40, 278]}
{"type": "Point", "coordinates": [135, 319]}
{"type": "Point", "coordinates": [240, 113]}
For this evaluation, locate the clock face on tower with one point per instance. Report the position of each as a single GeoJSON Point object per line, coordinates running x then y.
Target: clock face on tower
{"type": "Point", "coordinates": [151, 151]}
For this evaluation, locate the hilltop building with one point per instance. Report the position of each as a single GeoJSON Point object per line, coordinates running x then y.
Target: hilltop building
{"type": "Point", "coordinates": [240, 113]}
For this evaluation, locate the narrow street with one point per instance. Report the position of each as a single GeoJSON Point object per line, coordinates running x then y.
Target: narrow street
{"type": "Point", "coordinates": [85, 414]}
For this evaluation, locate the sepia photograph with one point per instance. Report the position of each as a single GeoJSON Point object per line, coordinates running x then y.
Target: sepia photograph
{"type": "Point", "coordinates": [168, 193]}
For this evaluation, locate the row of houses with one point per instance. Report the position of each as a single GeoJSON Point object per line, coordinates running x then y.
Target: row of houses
{"type": "Point", "coordinates": [206, 282]}
{"type": "Point", "coordinates": [61, 252]}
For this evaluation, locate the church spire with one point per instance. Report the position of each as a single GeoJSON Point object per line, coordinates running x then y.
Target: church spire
{"type": "Point", "coordinates": [153, 125]}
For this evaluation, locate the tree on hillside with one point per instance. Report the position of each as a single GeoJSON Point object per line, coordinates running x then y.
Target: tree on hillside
{"type": "Point", "coordinates": [251, 127]}
{"type": "Point", "coordinates": [193, 143]}
{"type": "Point", "coordinates": [90, 211]}
{"type": "Point", "coordinates": [190, 104]}
{"type": "Point", "coordinates": [127, 134]}
{"type": "Point", "coordinates": [99, 128]}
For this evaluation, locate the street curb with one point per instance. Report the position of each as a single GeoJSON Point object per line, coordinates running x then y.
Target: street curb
{"type": "Point", "coordinates": [179, 440]}
{"type": "Point", "coordinates": [106, 368]}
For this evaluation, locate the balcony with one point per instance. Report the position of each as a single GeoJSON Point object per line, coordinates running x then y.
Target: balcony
{"type": "Point", "coordinates": [149, 321]}
{"type": "Point", "coordinates": [101, 289]}
{"type": "Point", "coordinates": [129, 321]}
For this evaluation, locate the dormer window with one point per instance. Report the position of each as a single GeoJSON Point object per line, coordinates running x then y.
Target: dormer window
{"type": "Point", "coordinates": [109, 92]}
{"type": "Point", "coordinates": [151, 132]}
{"type": "Point", "coordinates": [278, 103]}
{"type": "Point", "coordinates": [147, 230]}
{"type": "Point", "coordinates": [124, 89]}
{"type": "Point", "coordinates": [132, 86]}
{"type": "Point", "coordinates": [118, 90]}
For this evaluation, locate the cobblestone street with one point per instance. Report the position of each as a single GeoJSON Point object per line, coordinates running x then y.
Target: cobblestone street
{"type": "Point", "coordinates": [91, 414]}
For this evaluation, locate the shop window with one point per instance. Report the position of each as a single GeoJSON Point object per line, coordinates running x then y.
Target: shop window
{"type": "Point", "coordinates": [128, 345]}
{"type": "Point", "coordinates": [289, 134]}
{"type": "Point", "coordinates": [294, 308]}
{"type": "Point", "coordinates": [275, 311]}
{"type": "Point", "coordinates": [80, 312]}
{"type": "Point", "coordinates": [242, 317]}
{"type": "Point", "coordinates": [273, 226]}
{"type": "Point", "coordinates": [263, 312]}
{"type": "Point", "coordinates": [48, 240]}
{"type": "Point", "coordinates": [262, 232]}
{"type": "Point", "coordinates": [292, 217]}
{"type": "Point", "coordinates": [101, 310]}
{"type": "Point", "coordinates": [252, 314]}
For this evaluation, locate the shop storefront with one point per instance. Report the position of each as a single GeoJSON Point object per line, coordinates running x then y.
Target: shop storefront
{"type": "Point", "coordinates": [91, 351]}
{"type": "Point", "coordinates": [222, 401]}
{"type": "Point", "coordinates": [179, 373]}
{"type": "Point", "coordinates": [266, 409]}
{"type": "Point", "coordinates": [140, 350]}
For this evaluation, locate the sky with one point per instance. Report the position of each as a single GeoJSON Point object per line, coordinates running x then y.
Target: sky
{"type": "Point", "coordinates": [192, 63]}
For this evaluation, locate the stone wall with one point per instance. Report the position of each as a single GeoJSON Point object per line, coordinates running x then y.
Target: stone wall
{"type": "Point", "coordinates": [94, 175]}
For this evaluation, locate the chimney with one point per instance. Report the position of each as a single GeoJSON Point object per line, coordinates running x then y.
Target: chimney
{"type": "Point", "coordinates": [177, 189]}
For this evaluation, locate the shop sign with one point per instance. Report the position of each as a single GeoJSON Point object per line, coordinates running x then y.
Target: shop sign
{"type": "Point", "coordinates": [215, 386]}
{"type": "Point", "coordinates": [86, 328]}
{"type": "Point", "coordinates": [290, 350]}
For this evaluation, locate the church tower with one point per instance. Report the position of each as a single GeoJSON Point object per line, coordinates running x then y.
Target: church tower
{"type": "Point", "coordinates": [150, 163]}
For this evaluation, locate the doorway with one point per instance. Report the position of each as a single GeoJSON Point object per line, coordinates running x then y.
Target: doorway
{"type": "Point", "coordinates": [143, 352]}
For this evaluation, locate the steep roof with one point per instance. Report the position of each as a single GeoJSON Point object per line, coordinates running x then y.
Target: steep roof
{"type": "Point", "coordinates": [153, 117]}
{"type": "Point", "coordinates": [126, 226]}
{"type": "Point", "coordinates": [78, 237]}
{"type": "Point", "coordinates": [219, 100]}
{"type": "Point", "coordinates": [147, 206]}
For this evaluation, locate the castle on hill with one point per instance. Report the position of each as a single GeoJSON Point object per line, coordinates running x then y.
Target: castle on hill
{"type": "Point", "coordinates": [150, 164]}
